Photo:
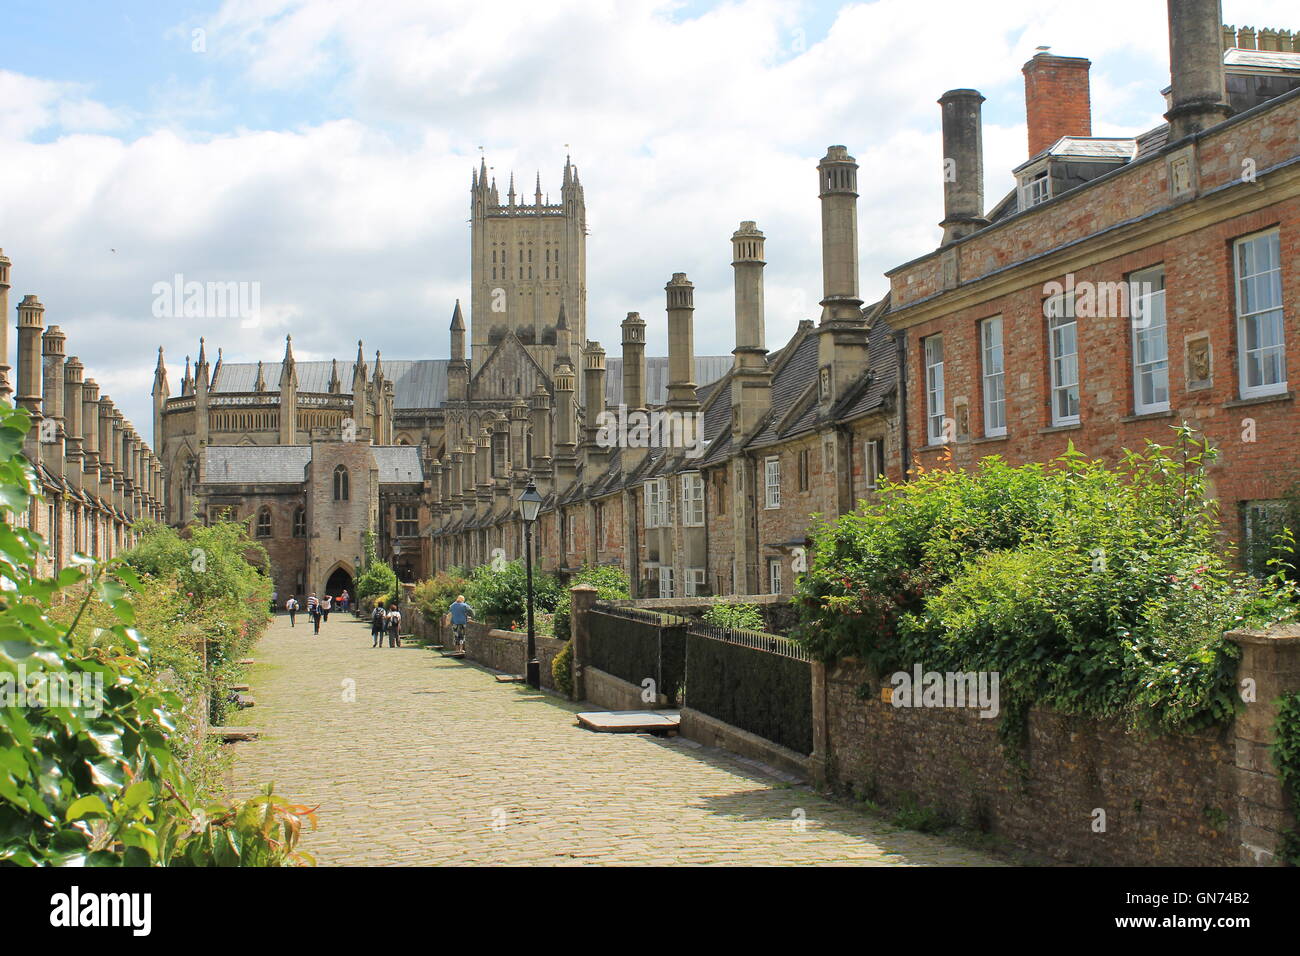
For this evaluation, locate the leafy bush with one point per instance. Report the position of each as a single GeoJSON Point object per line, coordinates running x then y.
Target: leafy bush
{"type": "Point", "coordinates": [562, 670]}
{"type": "Point", "coordinates": [98, 782]}
{"type": "Point", "coordinates": [1286, 758]}
{"type": "Point", "coordinates": [434, 595]}
{"type": "Point", "coordinates": [500, 597]}
{"type": "Point", "coordinates": [741, 616]}
{"type": "Point", "coordinates": [610, 582]}
{"type": "Point", "coordinates": [377, 581]}
{"type": "Point", "coordinates": [1092, 590]}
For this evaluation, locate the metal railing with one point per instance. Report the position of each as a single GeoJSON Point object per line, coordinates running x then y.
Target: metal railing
{"type": "Point", "coordinates": [656, 618]}
{"type": "Point", "coordinates": [756, 640]}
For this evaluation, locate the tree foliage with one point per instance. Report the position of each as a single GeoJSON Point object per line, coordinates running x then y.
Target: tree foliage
{"type": "Point", "coordinates": [95, 780]}
{"type": "Point", "coordinates": [1094, 590]}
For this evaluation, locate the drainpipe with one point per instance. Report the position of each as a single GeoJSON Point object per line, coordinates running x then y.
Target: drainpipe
{"type": "Point", "coordinates": [904, 448]}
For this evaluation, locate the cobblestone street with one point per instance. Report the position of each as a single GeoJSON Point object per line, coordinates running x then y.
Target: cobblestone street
{"type": "Point", "coordinates": [435, 762]}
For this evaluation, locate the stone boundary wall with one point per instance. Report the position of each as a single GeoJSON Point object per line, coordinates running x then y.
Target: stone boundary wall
{"type": "Point", "coordinates": [1205, 799]}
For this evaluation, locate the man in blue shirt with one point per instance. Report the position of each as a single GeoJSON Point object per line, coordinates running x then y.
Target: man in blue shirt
{"type": "Point", "coordinates": [460, 614]}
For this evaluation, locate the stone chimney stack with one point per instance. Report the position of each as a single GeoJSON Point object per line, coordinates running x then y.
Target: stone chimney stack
{"type": "Point", "coordinates": [842, 342]}
{"type": "Point", "coordinates": [6, 386]}
{"type": "Point", "coordinates": [751, 381]}
{"type": "Point", "coordinates": [593, 371]}
{"type": "Point", "coordinates": [90, 429]}
{"type": "Point", "coordinates": [1199, 96]}
{"type": "Point", "coordinates": [963, 164]}
{"type": "Point", "coordinates": [680, 295]}
{"type": "Point", "coordinates": [31, 323]}
{"type": "Point", "coordinates": [540, 467]}
{"type": "Point", "coordinates": [52, 359]}
{"type": "Point", "coordinates": [633, 361]}
{"type": "Point", "coordinates": [566, 465]}
{"type": "Point", "coordinates": [1057, 101]}
{"type": "Point", "coordinates": [72, 413]}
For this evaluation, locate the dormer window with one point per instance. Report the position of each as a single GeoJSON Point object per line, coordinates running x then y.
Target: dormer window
{"type": "Point", "coordinates": [1034, 189]}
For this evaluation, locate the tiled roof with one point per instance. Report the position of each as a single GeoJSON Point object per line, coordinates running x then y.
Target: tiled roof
{"type": "Point", "coordinates": [398, 464]}
{"type": "Point", "coordinates": [256, 464]}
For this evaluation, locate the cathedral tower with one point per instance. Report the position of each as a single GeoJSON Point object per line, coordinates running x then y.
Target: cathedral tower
{"type": "Point", "coordinates": [527, 259]}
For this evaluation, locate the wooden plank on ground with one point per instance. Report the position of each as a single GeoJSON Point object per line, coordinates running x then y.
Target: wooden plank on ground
{"type": "Point", "coordinates": [232, 734]}
{"type": "Point", "coordinates": [245, 661]}
{"type": "Point", "coordinates": [630, 721]}
{"type": "Point", "coordinates": [456, 654]}
{"type": "Point", "coordinates": [239, 687]}
{"type": "Point", "coordinates": [509, 679]}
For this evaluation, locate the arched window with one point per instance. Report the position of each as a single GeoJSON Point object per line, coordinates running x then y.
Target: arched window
{"type": "Point", "coordinates": [264, 522]}
{"type": "Point", "coordinates": [340, 484]}
{"type": "Point", "coordinates": [300, 523]}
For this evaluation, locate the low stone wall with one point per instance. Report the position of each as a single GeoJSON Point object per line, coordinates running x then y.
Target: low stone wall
{"type": "Point", "coordinates": [712, 732]}
{"type": "Point", "coordinates": [607, 692]}
{"type": "Point", "coordinates": [1166, 800]}
{"type": "Point", "coordinates": [505, 650]}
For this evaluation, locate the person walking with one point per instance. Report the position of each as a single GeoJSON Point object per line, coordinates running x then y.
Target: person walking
{"type": "Point", "coordinates": [460, 615]}
{"type": "Point", "coordinates": [325, 608]}
{"type": "Point", "coordinates": [275, 601]}
{"type": "Point", "coordinates": [313, 612]}
{"type": "Point", "coordinates": [394, 626]}
{"type": "Point", "coordinates": [378, 620]}
{"type": "Point", "coordinates": [291, 606]}
{"type": "Point", "coordinates": [343, 602]}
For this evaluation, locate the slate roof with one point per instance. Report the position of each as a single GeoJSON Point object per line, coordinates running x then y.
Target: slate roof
{"type": "Point", "coordinates": [420, 383]}
{"type": "Point", "coordinates": [286, 464]}
{"type": "Point", "coordinates": [256, 464]}
{"type": "Point", "coordinates": [398, 464]}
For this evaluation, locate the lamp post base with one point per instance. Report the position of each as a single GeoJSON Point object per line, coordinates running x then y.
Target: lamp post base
{"type": "Point", "coordinates": [535, 674]}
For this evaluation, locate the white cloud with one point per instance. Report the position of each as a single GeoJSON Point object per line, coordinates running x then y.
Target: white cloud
{"type": "Point", "coordinates": [682, 127]}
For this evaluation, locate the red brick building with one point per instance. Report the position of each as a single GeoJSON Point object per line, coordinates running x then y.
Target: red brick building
{"type": "Point", "coordinates": [1124, 286]}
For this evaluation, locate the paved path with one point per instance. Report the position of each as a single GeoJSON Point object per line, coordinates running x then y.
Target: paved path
{"type": "Point", "coordinates": [435, 762]}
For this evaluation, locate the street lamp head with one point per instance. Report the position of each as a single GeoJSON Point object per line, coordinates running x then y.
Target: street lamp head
{"type": "Point", "coordinates": [530, 502]}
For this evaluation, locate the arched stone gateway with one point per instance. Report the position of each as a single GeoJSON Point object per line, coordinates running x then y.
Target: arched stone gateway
{"type": "Point", "coordinates": [339, 581]}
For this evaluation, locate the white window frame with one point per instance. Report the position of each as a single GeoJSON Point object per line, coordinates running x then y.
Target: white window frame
{"type": "Point", "coordinates": [993, 376]}
{"type": "Point", "coordinates": [652, 503]}
{"type": "Point", "coordinates": [1150, 332]}
{"type": "Point", "coordinates": [1060, 314]}
{"type": "Point", "coordinates": [695, 581]}
{"type": "Point", "coordinates": [772, 482]}
{"type": "Point", "coordinates": [934, 390]}
{"type": "Point", "coordinates": [873, 464]}
{"type": "Point", "coordinates": [666, 581]}
{"type": "Point", "coordinates": [1035, 189]}
{"type": "Point", "coordinates": [774, 575]}
{"type": "Point", "coordinates": [692, 500]}
{"type": "Point", "coordinates": [1271, 276]}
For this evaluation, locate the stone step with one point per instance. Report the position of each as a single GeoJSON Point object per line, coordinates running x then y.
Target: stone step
{"type": "Point", "coordinates": [232, 734]}
{"type": "Point", "coordinates": [630, 721]}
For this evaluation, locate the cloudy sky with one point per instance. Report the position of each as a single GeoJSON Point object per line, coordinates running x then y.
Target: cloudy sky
{"type": "Point", "coordinates": [323, 149]}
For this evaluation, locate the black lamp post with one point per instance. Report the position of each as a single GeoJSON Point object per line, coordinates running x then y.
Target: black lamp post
{"type": "Point", "coordinates": [530, 502]}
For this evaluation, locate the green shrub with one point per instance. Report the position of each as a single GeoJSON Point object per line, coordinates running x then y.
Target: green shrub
{"type": "Point", "coordinates": [377, 581]}
{"type": "Point", "coordinates": [434, 595]}
{"type": "Point", "coordinates": [500, 596]}
{"type": "Point", "coordinates": [610, 582]}
{"type": "Point", "coordinates": [100, 784]}
{"type": "Point", "coordinates": [741, 616]}
{"type": "Point", "coordinates": [1096, 591]}
{"type": "Point", "coordinates": [562, 670]}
